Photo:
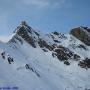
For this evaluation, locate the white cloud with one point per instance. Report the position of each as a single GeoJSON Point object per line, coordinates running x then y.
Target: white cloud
{"type": "Point", "coordinates": [37, 3]}
{"type": "Point", "coordinates": [60, 3]}
{"type": "Point", "coordinates": [45, 3]}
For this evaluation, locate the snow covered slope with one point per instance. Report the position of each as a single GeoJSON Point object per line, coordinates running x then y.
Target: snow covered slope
{"type": "Point", "coordinates": [31, 60]}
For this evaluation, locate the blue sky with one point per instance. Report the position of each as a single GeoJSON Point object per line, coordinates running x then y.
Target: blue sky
{"type": "Point", "coordinates": [44, 15]}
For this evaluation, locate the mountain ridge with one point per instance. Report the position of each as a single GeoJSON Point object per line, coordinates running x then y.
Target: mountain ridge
{"type": "Point", "coordinates": [32, 60]}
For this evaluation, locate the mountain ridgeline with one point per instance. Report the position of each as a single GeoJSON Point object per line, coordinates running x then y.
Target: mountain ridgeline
{"type": "Point", "coordinates": [53, 61]}
{"type": "Point", "coordinates": [53, 42]}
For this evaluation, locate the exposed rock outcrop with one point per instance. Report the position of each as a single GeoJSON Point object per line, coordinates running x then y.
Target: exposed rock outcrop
{"type": "Point", "coordinates": [43, 44]}
{"type": "Point", "coordinates": [24, 34]}
{"type": "Point", "coordinates": [85, 63]}
{"type": "Point", "coordinates": [82, 33]}
{"type": "Point", "coordinates": [63, 54]}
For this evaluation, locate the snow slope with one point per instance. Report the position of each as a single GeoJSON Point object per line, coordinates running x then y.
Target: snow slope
{"type": "Point", "coordinates": [34, 69]}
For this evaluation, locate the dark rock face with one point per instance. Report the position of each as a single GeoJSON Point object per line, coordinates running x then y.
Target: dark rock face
{"type": "Point", "coordinates": [43, 44]}
{"type": "Point", "coordinates": [3, 55]}
{"type": "Point", "coordinates": [85, 63]}
{"type": "Point", "coordinates": [81, 34]}
{"type": "Point", "coordinates": [24, 34]}
{"type": "Point", "coordinates": [56, 33]}
{"type": "Point", "coordinates": [82, 46]}
{"type": "Point", "coordinates": [63, 53]}
{"type": "Point", "coordinates": [66, 62]}
{"type": "Point", "coordinates": [10, 60]}
{"type": "Point", "coordinates": [88, 30]}
{"type": "Point", "coordinates": [76, 57]}
{"type": "Point", "coordinates": [56, 41]}
{"type": "Point", "coordinates": [27, 66]}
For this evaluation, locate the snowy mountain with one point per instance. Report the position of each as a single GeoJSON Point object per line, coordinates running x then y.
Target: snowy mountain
{"type": "Point", "coordinates": [32, 60]}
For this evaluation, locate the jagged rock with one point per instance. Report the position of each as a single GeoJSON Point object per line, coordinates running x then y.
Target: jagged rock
{"type": "Point", "coordinates": [24, 34]}
{"type": "Point", "coordinates": [82, 34]}
{"type": "Point", "coordinates": [24, 23]}
{"type": "Point", "coordinates": [56, 33]}
{"type": "Point", "coordinates": [76, 57]}
{"type": "Point", "coordinates": [63, 53]}
{"type": "Point", "coordinates": [43, 44]}
{"type": "Point", "coordinates": [85, 63]}
{"type": "Point", "coordinates": [66, 62]}
{"type": "Point", "coordinates": [10, 60]}
{"type": "Point", "coordinates": [56, 41]}
{"type": "Point", "coordinates": [27, 66]}
{"type": "Point", "coordinates": [37, 33]}
{"type": "Point", "coordinates": [82, 46]}
{"type": "Point", "coordinates": [3, 55]}
{"type": "Point", "coordinates": [45, 50]}
{"type": "Point", "coordinates": [32, 69]}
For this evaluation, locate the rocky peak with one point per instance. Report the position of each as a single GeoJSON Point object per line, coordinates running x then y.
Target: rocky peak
{"type": "Point", "coordinates": [24, 23]}
{"type": "Point", "coordinates": [26, 32]}
{"type": "Point", "coordinates": [23, 28]}
{"type": "Point", "coordinates": [82, 33]}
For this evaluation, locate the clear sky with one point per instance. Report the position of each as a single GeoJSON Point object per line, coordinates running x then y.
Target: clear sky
{"type": "Point", "coordinates": [45, 15]}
